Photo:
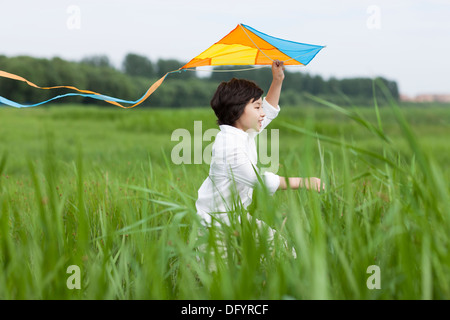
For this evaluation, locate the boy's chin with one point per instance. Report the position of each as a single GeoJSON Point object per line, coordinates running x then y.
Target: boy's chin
{"type": "Point", "coordinates": [257, 129]}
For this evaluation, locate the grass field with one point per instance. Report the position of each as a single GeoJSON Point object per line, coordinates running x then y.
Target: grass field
{"type": "Point", "coordinates": [96, 188]}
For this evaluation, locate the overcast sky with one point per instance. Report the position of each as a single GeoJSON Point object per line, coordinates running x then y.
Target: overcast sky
{"type": "Point", "coordinates": [406, 41]}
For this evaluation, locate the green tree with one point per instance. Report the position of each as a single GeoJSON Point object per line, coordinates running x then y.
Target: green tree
{"type": "Point", "coordinates": [97, 61]}
{"type": "Point", "coordinates": [136, 65]}
{"type": "Point", "coordinates": [166, 65]}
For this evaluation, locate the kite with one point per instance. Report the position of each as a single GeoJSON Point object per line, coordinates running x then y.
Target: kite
{"type": "Point", "coordinates": [244, 45]}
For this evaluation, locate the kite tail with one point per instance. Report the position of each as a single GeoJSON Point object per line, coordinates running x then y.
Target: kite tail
{"type": "Point", "coordinates": [83, 93]}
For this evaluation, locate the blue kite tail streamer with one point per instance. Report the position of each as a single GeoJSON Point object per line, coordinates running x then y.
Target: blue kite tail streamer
{"type": "Point", "coordinates": [109, 99]}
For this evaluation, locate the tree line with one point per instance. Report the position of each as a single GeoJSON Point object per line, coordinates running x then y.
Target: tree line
{"type": "Point", "coordinates": [183, 89]}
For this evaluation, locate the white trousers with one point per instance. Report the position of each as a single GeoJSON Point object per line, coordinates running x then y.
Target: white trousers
{"type": "Point", "coordinates": [219, 219]}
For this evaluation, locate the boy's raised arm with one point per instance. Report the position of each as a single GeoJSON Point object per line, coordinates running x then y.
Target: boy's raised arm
{"type": "Point", "coordinates": [273, 95]}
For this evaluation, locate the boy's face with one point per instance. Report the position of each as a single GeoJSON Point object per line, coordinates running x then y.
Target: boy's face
{"type": "Point", "coordinates": [252, 116]}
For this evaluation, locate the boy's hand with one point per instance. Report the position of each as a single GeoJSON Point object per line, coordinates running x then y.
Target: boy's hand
{"type": "Point", "coordinates": [314, 184]}
{"type": "Point", "coordinates": [278, 70]}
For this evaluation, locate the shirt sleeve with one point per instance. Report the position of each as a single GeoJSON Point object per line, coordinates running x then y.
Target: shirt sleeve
{"type": "Point", "coordinates": [271, 113]}
{"type": "Point", "coordinates": [272, 181]}
{"type": "Point", "coordinates": [245, 172]}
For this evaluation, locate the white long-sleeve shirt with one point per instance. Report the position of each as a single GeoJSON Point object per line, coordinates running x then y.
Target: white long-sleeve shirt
{"type": "Point", "coordinates": [232, 175]}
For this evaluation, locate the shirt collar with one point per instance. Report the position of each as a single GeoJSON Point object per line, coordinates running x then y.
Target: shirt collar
{"type": "Point", "coordinates": [233, 130]}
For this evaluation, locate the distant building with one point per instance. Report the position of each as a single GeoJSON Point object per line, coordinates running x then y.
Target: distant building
{"type": "Point", "coordinates": [445, 98]}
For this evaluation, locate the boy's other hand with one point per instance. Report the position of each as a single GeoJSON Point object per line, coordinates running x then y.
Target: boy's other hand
{"type": "Point", "coordinates": [278, 70]}
{"type": "Point", "coordinates": [314, 184]}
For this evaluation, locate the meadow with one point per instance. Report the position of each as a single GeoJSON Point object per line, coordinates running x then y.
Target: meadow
{"type": "Point", "coordinates": [95, 187]}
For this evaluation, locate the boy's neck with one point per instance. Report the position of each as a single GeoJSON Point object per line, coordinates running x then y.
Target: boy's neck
{"type": "Point", "coordinates": [248, 131]}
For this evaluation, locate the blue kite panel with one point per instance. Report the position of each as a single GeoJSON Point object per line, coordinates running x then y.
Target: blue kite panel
{"type": "Point", "coordinates": [302, 52]}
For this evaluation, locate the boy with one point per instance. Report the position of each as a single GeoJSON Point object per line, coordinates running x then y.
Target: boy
{"type": "Point", "coordinates": [241, 115]}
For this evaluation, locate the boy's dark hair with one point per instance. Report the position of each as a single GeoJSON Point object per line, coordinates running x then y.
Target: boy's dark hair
{"type": "Point", "coordinates": [231, 97]}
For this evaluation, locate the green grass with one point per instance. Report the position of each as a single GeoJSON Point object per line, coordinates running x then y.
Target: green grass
{"type": "Point", "coordinates": [95, 187]}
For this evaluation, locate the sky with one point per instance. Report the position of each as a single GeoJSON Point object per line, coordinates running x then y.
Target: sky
{"type": "Point", "coordinates": [405, 41]}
